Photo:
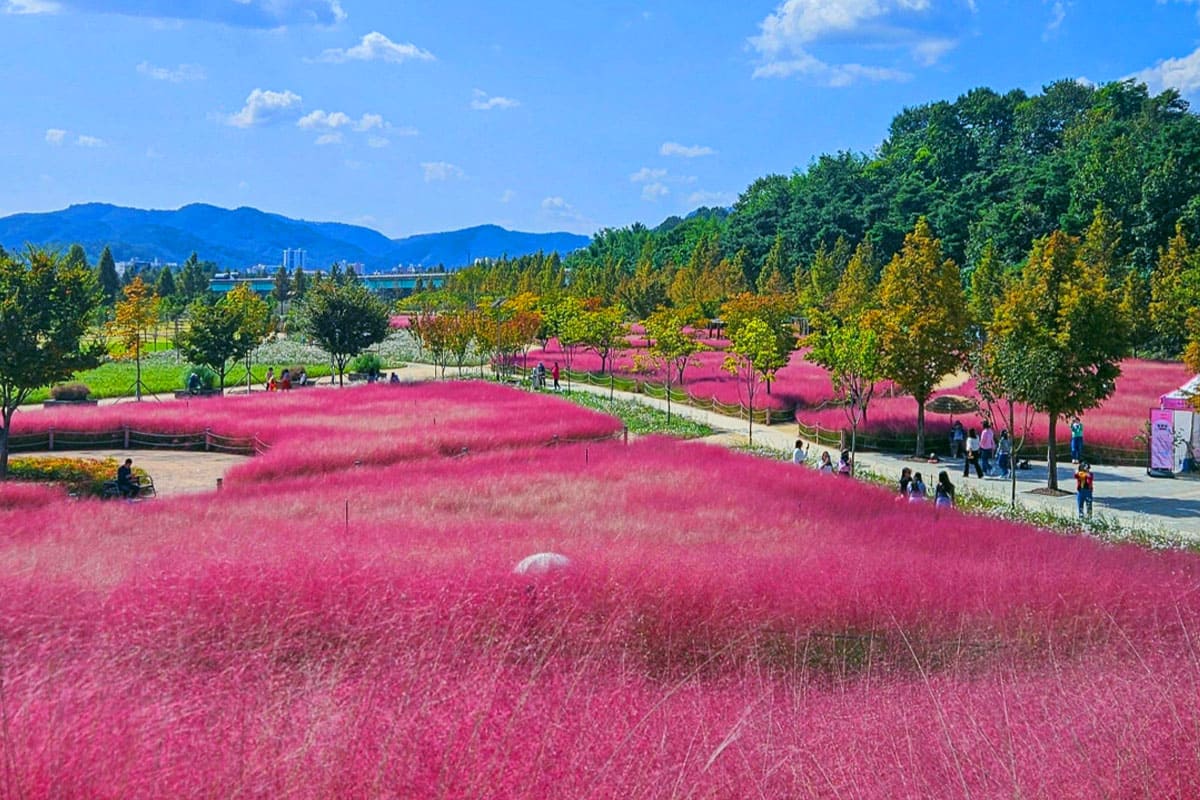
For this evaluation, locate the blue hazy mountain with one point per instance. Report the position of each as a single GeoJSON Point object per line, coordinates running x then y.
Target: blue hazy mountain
{"type": "Point", "coordinates": [243, 237]}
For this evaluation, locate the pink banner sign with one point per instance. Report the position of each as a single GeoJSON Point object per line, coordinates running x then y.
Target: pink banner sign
{"type": "Point", "coordinates": [1162, 439]}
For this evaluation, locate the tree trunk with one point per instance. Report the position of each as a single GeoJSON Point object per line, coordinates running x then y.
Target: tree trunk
{"type": "Point", "coordinates": [853, 445]}
{"type": "Point", "coordinates": [4, 445]}
{"type": "Point", "coordinates": [920, 424]}
{"type": "Point", "coordinates": [1052, 454]}
{"type": "Point", "coordinates": [1012, 450]}
{"type": "Point", "coordinates": [137, 382]}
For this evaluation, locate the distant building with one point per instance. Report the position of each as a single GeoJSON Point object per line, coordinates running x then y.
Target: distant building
{"type": "Point", "coordinates": [293, 259]}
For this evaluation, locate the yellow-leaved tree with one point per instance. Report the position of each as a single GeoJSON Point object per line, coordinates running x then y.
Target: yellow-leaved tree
{"type": "Point", "coordinates": [134, 316]}
{"type": "Point", "coordinates": [922, 321]}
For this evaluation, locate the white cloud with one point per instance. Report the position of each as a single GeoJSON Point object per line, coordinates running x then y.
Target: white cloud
{"type": "Point", "coordinates": [647, 174]}
{"type": "Point", "coordinates": [508, 196]}
{"type": "Point", "coordinates": [786, 37]}
{"type": "Point", "coordinates": [31, 7]}
{"type": "Point", "coordinates": [330, 138]}
{"type": "Point", "coordinates": [90, 141]}
{"type": "Point", "coordinates": [377, 47]}
{"type": "Point", "coordinates": [55, 136]}
{"type": "Point", "coordinates": [1172, 73]}
{"type": "Point", "coordinates": [481, 102]}
{"type": "Point", "coordinates": [263, 106]}
{"type": "Point", "coordinates": [440, 171]}
{"type": "Point", "coordinates": [556, 204]}
{"type": "Point", "coordinates": [321, 119]}
{"type": "Point", "coordinates": [654, 191]}
{"type": "Point", "coordinates": [184, 72]}
{"type": "Point", "coordinates": [262, 14]}
{"type": "Point", "coordinates": [378, 141]}
{"type": "Point", "coordinates": [1058, 13]}
{"type": "Point", "coordinates": [685, 151]}
{"type": "Point", "coordinates": [369, 122]}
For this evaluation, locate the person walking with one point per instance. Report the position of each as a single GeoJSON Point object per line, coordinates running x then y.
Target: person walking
{"type": "Point", "coordinates": [1085, 484]}
{"type": "Point", "coordinates": [1076, 440]}
{"type": "Point", "coordinates": [916, 489]}
{"type": "Point", "coordinates": [943, 493]}
{"type": "Point", "coordinates": [972, 454]}
{"type": "Point", "coordinates": [1003, 454]}
{"type": "Point", "coordinates": [987, 446]}
{"type": "Point", "coordinates": [554, 375]}
{"type": "Point", "coordinates": [957, 437]}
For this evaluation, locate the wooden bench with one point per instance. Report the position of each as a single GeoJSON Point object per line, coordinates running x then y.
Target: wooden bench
{"type": "Point", "coordinates": [144, 484]}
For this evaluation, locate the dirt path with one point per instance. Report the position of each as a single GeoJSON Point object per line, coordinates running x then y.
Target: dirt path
{"type": "Point", "coordinates": [174, 472]}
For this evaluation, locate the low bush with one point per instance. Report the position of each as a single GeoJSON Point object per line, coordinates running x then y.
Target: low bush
{"type": "Point", "coordinates": [367, 364]}
{"type": "Point", "coordinates": [208, 378]}
{"type": "Point", "coordinates": [70, 391]}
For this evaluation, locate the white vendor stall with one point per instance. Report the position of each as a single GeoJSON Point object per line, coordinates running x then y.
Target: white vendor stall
{"type": "Point", "coordinates": [1175, 430]}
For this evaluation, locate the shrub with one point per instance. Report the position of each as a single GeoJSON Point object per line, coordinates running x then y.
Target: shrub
{"type": "Point", "coordinates": [70, 391]}
{"type": "Point", "coordinates": [208, 378]}
{"type": "Point", "coordinates": [84, 476]}
{"type": "Point", "coordinates": [367, 364]}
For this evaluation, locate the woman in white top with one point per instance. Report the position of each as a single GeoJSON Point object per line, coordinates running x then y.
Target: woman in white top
{"type": "Point", "coordinates": [798, 454]}
{"type": "Point", "coordinates": [972, 456]}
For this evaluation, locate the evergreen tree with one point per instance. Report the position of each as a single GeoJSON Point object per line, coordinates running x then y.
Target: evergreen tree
{"type": "Point", "coordinates": [110, 282]}
{"type": "Point", "coordinates": [164, 287]}
{"type": "Point", "coordinates": [76, 258]}
{"type": "Point", "coordinates": [300, 283]}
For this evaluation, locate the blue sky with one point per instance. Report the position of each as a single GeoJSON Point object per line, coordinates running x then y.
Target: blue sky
{"type": "Point", "coordinates": [414, 117]}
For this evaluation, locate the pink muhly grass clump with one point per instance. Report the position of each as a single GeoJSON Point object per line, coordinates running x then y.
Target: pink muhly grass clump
{"type": "Point", "coordinates": [729, 626]}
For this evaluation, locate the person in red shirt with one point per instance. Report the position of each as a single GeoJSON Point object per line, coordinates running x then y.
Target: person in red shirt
{"type": "Point", "coordinates": [554, 375]}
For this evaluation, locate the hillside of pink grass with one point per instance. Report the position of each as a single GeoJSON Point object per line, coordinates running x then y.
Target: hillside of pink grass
{"type": "Point", "coordinates": [729, 627]}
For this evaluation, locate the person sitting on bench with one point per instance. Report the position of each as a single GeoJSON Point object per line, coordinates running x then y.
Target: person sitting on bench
{"type": "Point", "coordinates": [126, 484]}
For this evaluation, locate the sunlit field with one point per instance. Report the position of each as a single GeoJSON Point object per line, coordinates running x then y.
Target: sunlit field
{"type": "Point", "coordinates": [343, 620]}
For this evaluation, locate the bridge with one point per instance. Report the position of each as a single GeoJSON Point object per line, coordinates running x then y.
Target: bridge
{"type": "Point", "coordinates": [399, 283]}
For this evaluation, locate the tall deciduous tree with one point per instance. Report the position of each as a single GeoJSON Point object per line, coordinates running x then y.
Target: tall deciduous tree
{"type": "Point", "coordinates": [922, 320]}
{"type": "Point", "coordinates": [1062, 317]}
{"type": "Point", "coordinates": [110, 282]}
{"type": "Point", "coordinates": [671, 346]}
{"type": "Point", "coordinates": [775, 312]}
{"type": "Point", "coordinates": [253, 317]}
{"type": "Point", "coordinates": [851, 354]}
{"type": "Point", "coordinates": [282, 290]}
{"type": "Point", "coordinates": [45, 309]}
{"type": "Point", "coordinates": [344, 320]}
{"type": "Point", "coordinates": [753, 358]}
{"type": "Point", "coordinates": [211, 337]}
{"type": "Point", "coordinates": [134, 316]}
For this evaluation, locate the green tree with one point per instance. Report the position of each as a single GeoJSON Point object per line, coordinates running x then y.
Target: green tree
{"type": "Point", "coordinates": [922, 321]}
{"type": "Point", "coordinates": [300, 283]}
{"type": "Point", "coordinates": [603, 331]}
{"type": "Point", "coordinates": [110, 282]}
{"type": "Point", "coordinates": [344, 320]}
{"type": "Point", "coordinates": [46, 306]}
{"type": "Point", "coordinates": [775, 312]}
{"type": "Point", "coordinates": [76, 257]}
{"type": "Point", "coordinates": [253, 316]}
{"type": "Point", "coordinates": [1058, 335]}
{"type": "Point", "coordinates": [1174, 292]}
{"type": "Point", "coordinates": [851, 354]}
{"type": "Point", "coordinates": [754, 356]}
{"type": "Point", "coordinates": [211, 337]}
{"type": "Point", "coordinates": [671, 346]}
{"type": "Point", "coordinates": [282, 290]}
{"type": "Point", "coordinates": [856, 291]}
{"type": "Point", "coordinates": [164, 287]}
{"type": "Point", "coordinates": [193, 279]}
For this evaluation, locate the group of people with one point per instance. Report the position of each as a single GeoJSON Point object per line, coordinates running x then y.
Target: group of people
{"type": "Point", "coordinates": [913, 489]}
{"type": "Point", "coordinates": [285, 380]}
{"type": "Point", "coordinates": [978, 449]}
{"type": "Point", "coordinates": [537, 377]}
{"type": "Point", "coordinates": [845, 466]}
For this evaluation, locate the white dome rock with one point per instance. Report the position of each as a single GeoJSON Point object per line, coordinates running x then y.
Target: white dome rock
{"type": "Point", "coordinates": [541, 563]}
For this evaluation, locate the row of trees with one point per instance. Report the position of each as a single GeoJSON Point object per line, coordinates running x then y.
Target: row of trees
{"type": "Point", "coordinates": [48, 302]}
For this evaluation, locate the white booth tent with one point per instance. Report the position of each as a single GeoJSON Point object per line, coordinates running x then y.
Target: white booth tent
{"type": "Point", "coordinates": [1185, 423]}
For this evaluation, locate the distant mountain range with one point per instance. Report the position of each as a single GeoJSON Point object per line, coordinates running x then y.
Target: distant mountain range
{"type": "Point", "coordinates": [244, 237]}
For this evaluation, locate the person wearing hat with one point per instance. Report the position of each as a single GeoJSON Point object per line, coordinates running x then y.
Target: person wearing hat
{"type": "Point", "coordinates": [1084, 484]}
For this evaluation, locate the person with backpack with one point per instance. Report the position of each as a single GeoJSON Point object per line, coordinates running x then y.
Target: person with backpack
{"type": "Point", "coordinates": [1085, 484]}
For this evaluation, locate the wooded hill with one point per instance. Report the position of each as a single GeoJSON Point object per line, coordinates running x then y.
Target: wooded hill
{"type": "Point", "coordinates": [988, 167]}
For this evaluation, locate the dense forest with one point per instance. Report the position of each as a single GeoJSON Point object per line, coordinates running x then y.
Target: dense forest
{"type": "Point", "coordinates": [991, 173]}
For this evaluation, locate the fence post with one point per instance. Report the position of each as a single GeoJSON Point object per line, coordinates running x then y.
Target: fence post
{"type": "Point", "coordinates": [50, 438]}
{"type": "Point", "coordinates": [207, 439]}
{"type": "Point", "coordinates": [768, 417]}
{"type": "Point", "coordinates": [220, 481]}
{"type": "Point", "coordinates": [125, 428]}
{"type": "Point", "coordinates": [625, 434]}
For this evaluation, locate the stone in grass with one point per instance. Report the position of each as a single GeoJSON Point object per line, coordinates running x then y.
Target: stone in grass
{"type": "Point", "coordinates": [541, 563]}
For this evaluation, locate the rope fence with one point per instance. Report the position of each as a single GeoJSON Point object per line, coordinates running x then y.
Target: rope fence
{"type": "Point", "coordinates": [127, 438]}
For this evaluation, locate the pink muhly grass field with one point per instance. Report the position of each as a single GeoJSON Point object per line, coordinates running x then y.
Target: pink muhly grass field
{"type": "Point", "coordinates": [730, 627]}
